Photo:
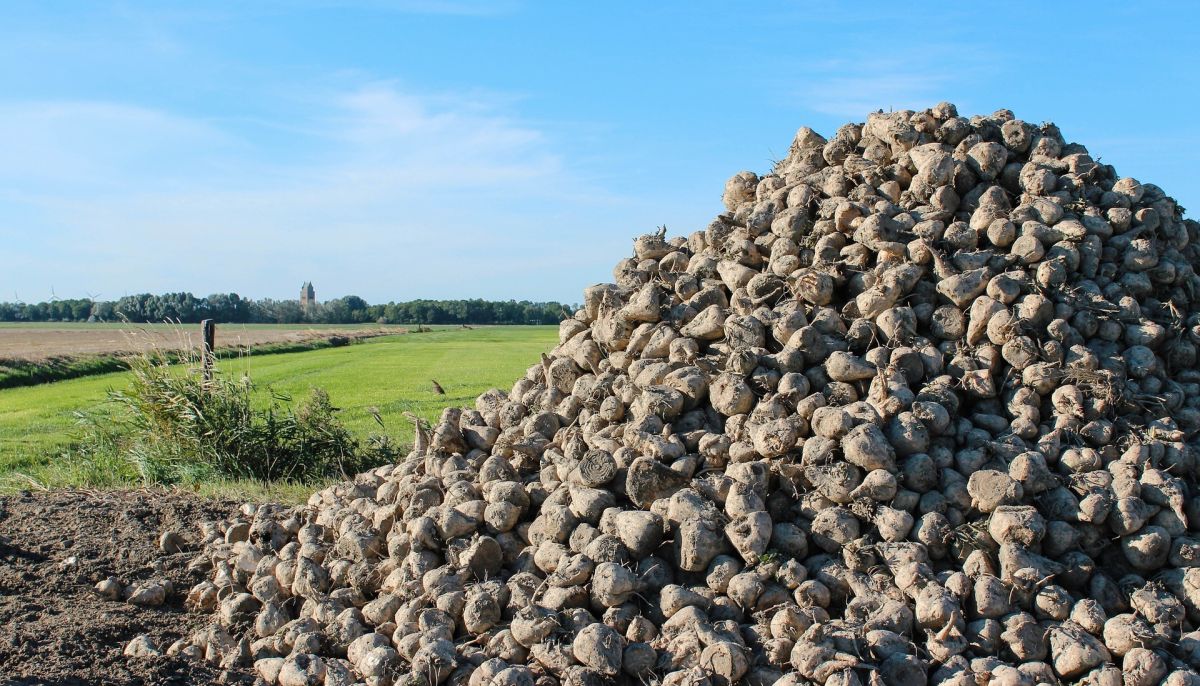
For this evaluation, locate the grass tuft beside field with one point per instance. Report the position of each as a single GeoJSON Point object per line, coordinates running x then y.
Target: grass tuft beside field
{"type": "Point", "coordinates": [383, 377]}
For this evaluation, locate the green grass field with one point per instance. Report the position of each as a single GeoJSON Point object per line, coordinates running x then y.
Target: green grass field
{"type": "Point", "coordinates": [392, 374]}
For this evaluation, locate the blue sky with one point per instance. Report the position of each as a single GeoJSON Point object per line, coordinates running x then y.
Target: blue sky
{"type": "Point", "coordinates": [398, 149]}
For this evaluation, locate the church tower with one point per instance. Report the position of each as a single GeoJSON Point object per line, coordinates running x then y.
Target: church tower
{"type": "Point", "coordinates": [308, 296]}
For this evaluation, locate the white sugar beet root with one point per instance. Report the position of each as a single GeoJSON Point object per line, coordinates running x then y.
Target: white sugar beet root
{"type": "Point", "coordinates": [920, 405]}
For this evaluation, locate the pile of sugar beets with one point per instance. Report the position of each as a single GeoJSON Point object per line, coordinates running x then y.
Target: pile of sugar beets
{"type": "Point", "coordinates": [919, 407]}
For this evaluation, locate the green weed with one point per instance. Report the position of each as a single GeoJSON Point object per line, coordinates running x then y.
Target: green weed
{"type": "Point", "coordinates": [174, 425]}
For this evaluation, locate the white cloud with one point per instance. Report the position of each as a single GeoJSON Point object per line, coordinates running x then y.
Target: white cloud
{"type": "Point", "coordinates": [857, 82]}
{"type": "Point", "coordinates": [97, 143]}
{"type": "Point", "coordinates": [434, 140]}
{"type": "Point", "coordinates": [398, 194]}
{"type": "Point", "coordinates": [471, 8]}
{"type": "Point", "coordinates": [453, 7]}
{"type": "Point", "coordinates": [853, 97]}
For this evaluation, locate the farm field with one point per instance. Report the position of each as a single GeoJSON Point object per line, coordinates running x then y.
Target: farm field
{"type": "Point", "coordinates": [38, 341]}
{"type": "Point", "coordinates": [389, 374]}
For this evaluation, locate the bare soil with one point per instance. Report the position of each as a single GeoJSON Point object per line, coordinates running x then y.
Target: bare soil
{"type": "Point", "coordinates": [54, 547]}
{"type": "Point", "coordinates": [37, 344]}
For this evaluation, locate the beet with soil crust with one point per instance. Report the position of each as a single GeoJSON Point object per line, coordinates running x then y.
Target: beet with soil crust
{"type": "Point", "coordinates": [920, 406]}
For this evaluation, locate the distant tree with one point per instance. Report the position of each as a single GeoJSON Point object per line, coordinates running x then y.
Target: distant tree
{"type": "Point", "coordinates": [356, 309]}
{"type": "Point", "coordinates": [135, 308]}
{"type": "Point", "coordinates": [355, 303]}
{"type": "Point", "coordinates": [334, 312]}
{"type": "Point", "coordinates": [232, 308]}
{"type": "Point", "coordinates": [276, 312]}
{"type": "Point", "coordinates": [228, 307]}
{"type": "Point", "coordinates": [103, 310]}
{"type": "Point", "coordinates": [81, 309]}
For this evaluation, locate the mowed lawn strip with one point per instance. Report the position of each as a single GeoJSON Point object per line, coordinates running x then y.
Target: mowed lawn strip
{"type": "Point", "coordinates": [392, 375]}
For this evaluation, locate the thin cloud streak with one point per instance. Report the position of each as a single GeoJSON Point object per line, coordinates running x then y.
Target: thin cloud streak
{"type": "Point", "coordinates": [462, 8]}
{"type": "Point", "coordinates": [395, 178]}
{"type": "Point", "coordinates": [98, 143]}
{"type": "Point", "coordinates": [854, 97]}
{"type": "Point", "coordinates": [855, 82]}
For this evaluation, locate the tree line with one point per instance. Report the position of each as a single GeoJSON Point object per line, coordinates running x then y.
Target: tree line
{"type": "Point", "coordinates": [232, 308]}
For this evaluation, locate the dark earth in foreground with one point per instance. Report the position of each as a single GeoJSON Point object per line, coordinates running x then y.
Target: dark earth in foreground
{"type": "Point", "coordinates": [54, 629]}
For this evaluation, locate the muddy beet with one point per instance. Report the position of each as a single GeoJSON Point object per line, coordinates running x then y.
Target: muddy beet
{"type": "Point", "coordinates": [921, 406]}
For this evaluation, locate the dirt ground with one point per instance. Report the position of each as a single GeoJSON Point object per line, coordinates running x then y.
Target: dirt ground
{"type": "Point", "coordinates": [43, 343]}
{"type": "Point", "coordinates": [54, 546]}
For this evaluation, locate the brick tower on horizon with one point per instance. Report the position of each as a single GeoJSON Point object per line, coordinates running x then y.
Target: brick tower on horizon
{"type": "Point", "coordinates": [308, 296]}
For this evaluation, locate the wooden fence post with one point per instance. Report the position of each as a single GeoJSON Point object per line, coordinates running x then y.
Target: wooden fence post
{"type": "Point", "coordinates": [209, 329]}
